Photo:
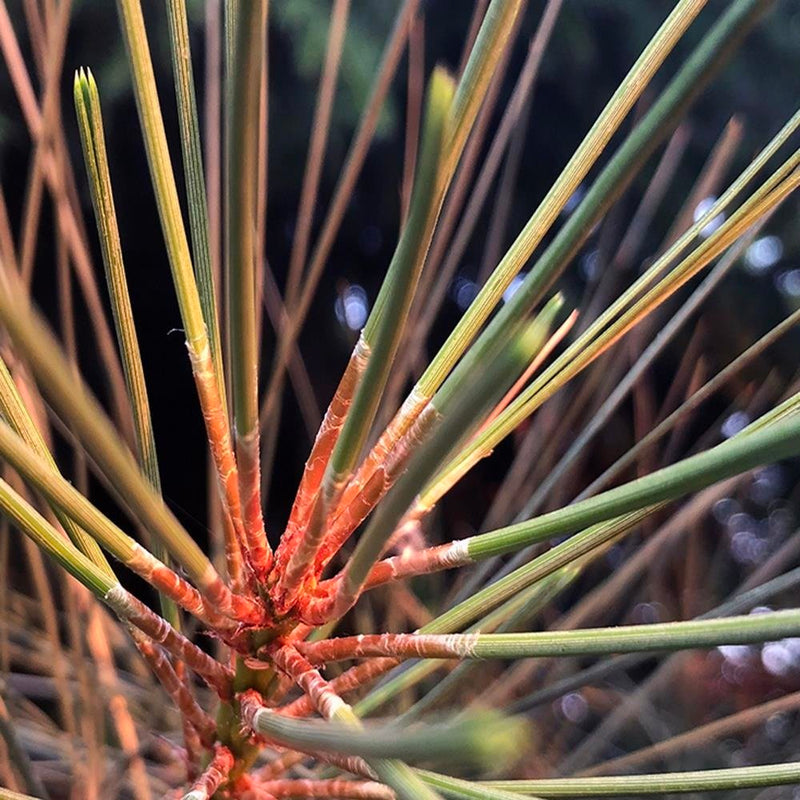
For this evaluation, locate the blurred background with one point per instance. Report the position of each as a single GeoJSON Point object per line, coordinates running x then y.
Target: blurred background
{"type": "Point", "coordinates": [592, 47]}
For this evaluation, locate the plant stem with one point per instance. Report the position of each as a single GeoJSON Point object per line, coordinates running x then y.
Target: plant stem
{"type": "Point", "coordinates": [661, 783]}
{"type": "Point", "coordinates": [214, 776]}
{"type": "Point", "coordinates": [107, 589]}
{"type": "Point", "coordinates": [244, 89]}
{"type": "Point", "coordinates": [594, 641]}
{"type": "Point", "coordinates": [296, 547]}
{"type": "Point", "coordinates": [466, 413]}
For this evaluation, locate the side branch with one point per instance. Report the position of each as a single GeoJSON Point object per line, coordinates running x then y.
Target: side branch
{"type": "Point", "coordinates": [350, 680]}
{"type": "Point", "coordinates": [215, 775]}
{"type": "Point", "coordinates": [177, 689]}
{"type": "Point", "coordinates": [361, 498]}
{"type": "Point", "coordinates": [746, 629]}
{"type": "Point", "coordinates": [219, 440]}
{"type": "Point", "coordinates": [297, 549]}
{"type": "Point", "coordinates": [333, 788]}
{"type": "Point", "coordinates": [131, 610]}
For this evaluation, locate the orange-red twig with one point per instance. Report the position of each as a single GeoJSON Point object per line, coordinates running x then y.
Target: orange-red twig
{"type": "Point", "coordinates": [395, 645]}
{"type": "Point", "coordinates": [259, 553]}
{"type": "Point", "coordinates": [296, 550]}
{"type": "Point", "coordinates": [353, 678]}
{"type": "Point", "coordinates": [358, 501]}
{"type": "Point", "coordinates": [219, 440]}
{"type": "Point", "coordinates": [177, 690]}
{"type": "Point", "coordinates": [168, 582]}
{"type": "Point", "coordinates": [346, 790]}
{"type": "Point", "coordinates": [132, 610]}
{"type": "Point", "coordinates": [322, 700]}
{"type": "Point", "coordinates": [322, 695]}
{"type": "Point", "coordinates": [242, 609]}
{"type": "Point", "coordinates": [408, 564]}
{"type": "Point", "coordinates": [216, 773]}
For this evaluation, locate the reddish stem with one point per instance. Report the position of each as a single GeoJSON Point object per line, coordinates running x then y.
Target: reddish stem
{"type": "Point", "coordinates": [232, 605]}
{"type": "Point", "coordinates": [322, 695]}
{"type": "Point", "coordinates": [348, 681]}
{"type": "Point", "coordinates": [191, 738]}
{"type": "Point", "coordinates": [370, 484]}
{"type": "Point", "coordinates": [394, 645]}
{"type": "Point", "coordinates": [168, 582]}
{"type": "Point", "coordinates": [232, 549]}
{"type": "Point", "coordinates": [351, 764]}
{"type": "Point", "coordinates": [249, 789]}
{"type": "Point", "coordinates": [354, 790]}
{"type": "Point", "coordinates": [378, 455]}
{"type": "Point", "coordinates": [177, 690]}
{"type": "Point", "coordinates": [291, 557]}
{"type": "Point", "coordinates": [259, 553]}
{"type": "Point", "coordinates": [132, 610]}
{"type": "Point", "coordinates": [216, 773]}
{"type": "Point", "coordinates": [411, 563]}
{"type": "Point", "coordinates": [219, 439]}
{"type": "Point", "coordinates": [251, 704]}
{"type": "Point", "coordinates": [282, 764]}
{"type": "Point", "coordinates": [332, 599]}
